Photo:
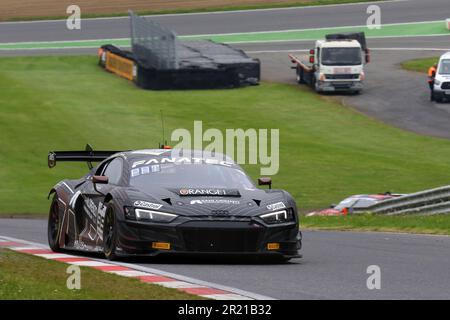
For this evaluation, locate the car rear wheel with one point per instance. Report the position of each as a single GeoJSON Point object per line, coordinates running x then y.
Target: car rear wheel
{"type": "Point", "coordinates": [110, 234]}
{"type": "Point", "coordinates": [53, 227]}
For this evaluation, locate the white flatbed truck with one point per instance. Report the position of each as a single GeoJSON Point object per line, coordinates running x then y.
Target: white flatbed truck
{"type": "Point", "coordinates": [335, 64]}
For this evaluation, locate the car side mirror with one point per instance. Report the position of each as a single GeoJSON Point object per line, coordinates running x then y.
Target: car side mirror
{"type": "Point", "coordinates": [100, 180]}
{"type": "Point", "coordinates": [265, 181]}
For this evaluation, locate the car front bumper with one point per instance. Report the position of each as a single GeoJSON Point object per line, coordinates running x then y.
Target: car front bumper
{"type": "Point", "coordinates": [440, 93]}
{"type": "Point", "coordinates": [209, 237]}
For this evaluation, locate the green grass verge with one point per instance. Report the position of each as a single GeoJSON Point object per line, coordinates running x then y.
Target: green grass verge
{"type": "Point", "coordinates": [438, 224]}
{"type": "Point", "coordinates": [327, 151]}
{"type": "Point", "coordinates": [304, 3]}
{"type": "Point", "coordinates": [420, 65]}
{"type": "Point", "coordinates": [27, 277]}
{"type": "Point", "coordinates": [387, 30]}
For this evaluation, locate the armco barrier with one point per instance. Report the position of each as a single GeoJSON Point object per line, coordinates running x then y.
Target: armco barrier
{"type": "Point", "coordinates": [433, 201]}
{"type": "Point", "coordinates": [120, 66]}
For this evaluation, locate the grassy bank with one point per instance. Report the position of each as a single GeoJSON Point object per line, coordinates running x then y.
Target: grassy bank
{"type": "Point", "coordinates": [26, 277]}
{"type": "Point", "coordinates": [327, 151]}
{"type": "Point", "coordinates": [13, 11]}
{"type": "Point", "coordinates": [438, 224]}
{"type": "Point", "coordinates": [420, 65]}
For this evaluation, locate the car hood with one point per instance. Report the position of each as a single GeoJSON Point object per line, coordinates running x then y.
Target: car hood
{"type": "Point", "coordinates": [211, 201]}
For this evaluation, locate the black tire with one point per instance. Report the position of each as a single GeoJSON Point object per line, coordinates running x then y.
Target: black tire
{"type": "Point", "coordinates": [110, 233]}
{"type": "Point", "coordinates": [314, 85]}
{"type": "Point", "coordinates": [54, 225]}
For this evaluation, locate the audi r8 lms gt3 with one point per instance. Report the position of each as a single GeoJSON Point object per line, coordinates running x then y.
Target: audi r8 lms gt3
{"type": "Point", "coordinates": [151, 202]}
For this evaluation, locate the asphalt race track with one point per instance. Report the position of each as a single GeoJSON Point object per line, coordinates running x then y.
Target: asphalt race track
{"type": "Point", "coordinates": [334, 264]}
{"type": "Point", "coordinates": [333, 267]}
{"type": "Point", "coordinates": [227, 22]}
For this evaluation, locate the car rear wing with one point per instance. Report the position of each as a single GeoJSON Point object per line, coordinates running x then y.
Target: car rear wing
{"type": "Point", "coordinates": [88, 155]}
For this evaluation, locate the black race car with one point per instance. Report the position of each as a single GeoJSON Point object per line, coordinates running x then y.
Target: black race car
{"type": "Point", "coordinates": [159, 201]}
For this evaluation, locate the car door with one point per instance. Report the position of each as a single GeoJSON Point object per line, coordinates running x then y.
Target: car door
{"type": "Point", "coordinates": [93, 207]}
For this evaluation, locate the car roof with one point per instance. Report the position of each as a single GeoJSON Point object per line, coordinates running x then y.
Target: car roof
{"type": "Point", "coordinates": [134, 155]}
{"type": "Point", "coordinates": [446, 55]}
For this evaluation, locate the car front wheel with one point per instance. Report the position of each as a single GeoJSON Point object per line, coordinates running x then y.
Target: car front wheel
{"type": "Point", "coordinates": [54, 219]}
{"type": "Point", "coordinates": [110, 233]}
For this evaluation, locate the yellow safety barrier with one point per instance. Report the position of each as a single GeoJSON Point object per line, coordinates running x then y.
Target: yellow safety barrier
{"type": "Point", "coordinates": [119, 65]}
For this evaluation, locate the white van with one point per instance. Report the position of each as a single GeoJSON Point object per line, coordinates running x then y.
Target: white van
{"type": "Point", "coordinates": [442, 79]}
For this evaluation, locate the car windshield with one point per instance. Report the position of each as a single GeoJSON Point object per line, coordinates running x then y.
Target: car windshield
{"type": "Point", "coordinates": [341, 56]}
{"type": "Point", "coordinates": [173, 175]}
{"type": "Point", "coordinates": [445, 67]}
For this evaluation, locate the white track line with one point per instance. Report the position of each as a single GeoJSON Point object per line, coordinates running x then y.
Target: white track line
{"type": "Point", "coordinates": [132, 273]}
{"type": "Point", "coordinates": [372, 49]}
{"type": "Point", "coordinates": [52, 256]}
{"type": "Point", "coordinates": [225, 297]}
{"type": "Point", "coordinates": [25, 248]}
{"type": "Point", "coordinates": [178, 284]}
{"type": "Point", "coordinates": [228, 42]}
{"type": "Point", "coordinates": [89, 263]}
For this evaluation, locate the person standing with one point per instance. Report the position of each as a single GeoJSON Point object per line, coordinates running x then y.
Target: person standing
{"type": "Point", "coordinates": [431, 75]}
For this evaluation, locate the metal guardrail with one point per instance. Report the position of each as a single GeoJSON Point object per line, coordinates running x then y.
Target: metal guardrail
{"type": "Point", "coordinates": [428, 202]}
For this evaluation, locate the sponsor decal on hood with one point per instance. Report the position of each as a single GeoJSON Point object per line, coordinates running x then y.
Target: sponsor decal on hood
{"type": "Point", "coordinates": [147, 205]}
{"type": "Point", "coordinates": [192, 192]}
{"type": "Point", "coordinates": [215, 201]}
{"type": "Point", "coordinates": [276, 206]}
{"type": "Point", "coordinates": [181, 160]}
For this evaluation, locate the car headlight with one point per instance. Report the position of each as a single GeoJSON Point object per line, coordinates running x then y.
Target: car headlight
{"type": "Point", "coordinates": [437, 82]}
{"type": "Point", "coordinates": [281, 216]}
{"type": "Point", "coordinates": [148, 215]}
